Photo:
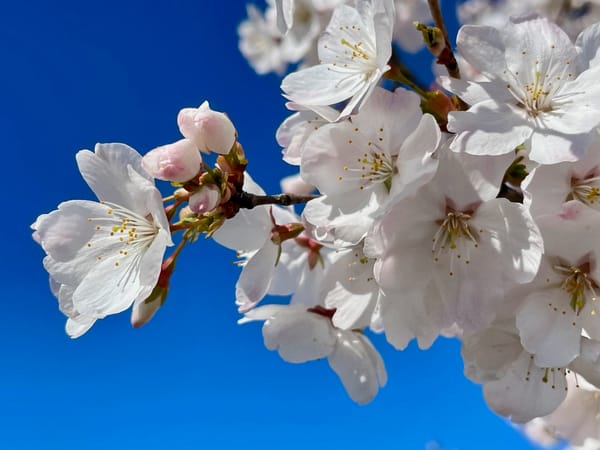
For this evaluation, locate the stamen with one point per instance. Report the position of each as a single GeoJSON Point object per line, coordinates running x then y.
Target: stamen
{"type": "Point", "coordinates": [454, 234]}
{"type": "Point", "coordinates": [374, 167]}
{"type": "Point", "coordinates": [356, 50]}
{"type": "Point", "coordinates": [578, 285]}
{"type": "Point", "coordinates": [124, 234]}
{"type": "Point", "coordinates": [587, 191]}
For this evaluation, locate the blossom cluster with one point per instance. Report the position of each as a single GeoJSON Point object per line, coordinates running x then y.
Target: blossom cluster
{"type": "Point", "coordinates": [468, 209]}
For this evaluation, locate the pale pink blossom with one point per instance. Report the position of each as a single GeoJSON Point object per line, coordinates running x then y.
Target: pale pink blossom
{"type": "Point", "coordinates": [179, 161]}
{"type": "Point", "coordinates": [301, 335]}
{"type": "Point", "coordinates": [205, 199]}
{"type": "Point", "coordinates": [210, 131]}
{"type": "Point", "coordinates": [541, 92]}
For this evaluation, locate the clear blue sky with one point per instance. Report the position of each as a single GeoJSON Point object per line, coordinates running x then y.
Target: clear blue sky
{"type": "Point", "coordinates": [77, 73]}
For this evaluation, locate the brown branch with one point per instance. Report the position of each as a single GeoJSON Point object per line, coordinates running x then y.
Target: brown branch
{"type": "Point", "coordinates": [248, 201]}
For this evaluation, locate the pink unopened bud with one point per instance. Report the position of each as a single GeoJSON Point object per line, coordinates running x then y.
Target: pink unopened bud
{"type": "Point", "coordinates": [209, 130]}
{"type": "Point", "coordinates": [205, 199]}
{"type": "Point", "coordinates": [179, 161]}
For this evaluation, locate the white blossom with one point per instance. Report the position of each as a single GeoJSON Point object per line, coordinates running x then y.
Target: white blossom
{"type": "Point", "coordinates": [458, 253]}
{"type": "Point", "coordinates": [104, 256]}
{"type": "Point", "coordinates": [353, 51]}
{"type": "Point", "coordinates": [561, 301]}
{"type": "Point", "coordinates": [538, 94]}
{"type": "Point", "coordinates": [550, 186]}
{"type": "Point", "coordinates": [383, 152]}
{"type": "Point", "coordinates": [301, 335]}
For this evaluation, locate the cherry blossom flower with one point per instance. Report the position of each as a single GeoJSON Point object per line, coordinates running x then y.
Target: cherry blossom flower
{"type": "Point", "coordinates": [104, 256]}
{"type": "Point", "coordinates": [513, 384]}
{"type": "Point", "coordinates": [573, 17]}
{"type": "Point", "coordinates": [538, 94]}
{"type": "Point", "coordinates": [550, 186]}
{"type": "Point", "coordinates": [354, 52]}
{"type": "Point", "coordinates": [459, 252]}
{"type": "Point", "coordinates": [295, 130]}
{"type": "Point", "coordinates": [577, 418]}
{"type": "Point", "coordinates": [260, 42]}
{"type": "Point", "coordinates": [270, 264]}
{"type": "Point", "coordinates": [349, 288]}
{"type": "Point", "coordinates": [561, 300]}
{"type": "Point", "coordinates": [301, 335]}
{"type": "Point", "coordinates": [385, 151]}
{"type": "Point", "coordinates": [284, 34]}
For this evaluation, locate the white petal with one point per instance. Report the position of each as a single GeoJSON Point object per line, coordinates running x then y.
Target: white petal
{"type": "Point", "coordinates": [342, 220]}
{"type": "Point", "coordinates": [256, 277]}
{"type": "Point", "coordinates": [151, 262]}
{"type": "Point", "coordinates": [349, 287]}
{"type": "Point", "coordinates": [246, 231]}
{"type": "Point", "coordinates": [514, 235]}
{"type": "Point", "coordinates": [106, 172]}
{"type": "Point", "coordinates": [330, 159]}
{"type": "Point", "coordinates": [356, 362]}
{"type": "Point", "coordinates": [262, 313]}
{"type": "Point", "coordinates": [110, 287]}
{"type": "Point", "coordinates": [488, 128]}
{"type": "Point", "coordinates": [78, 326]}
{"type": "Point", "coordinates": [473, 93]}
{"type": "Point", "coordinates": [580, 113]}
{"type": "Point", "coordinates": [574, 219]}
{"type": "Point", "coordinates": [486, 354]}
{"type": "Point", "coordinates": [249, 228]}
{"type": "Point", "coordinates": [588, 362]}
{"type": "Point", "coordinates": [482, 47]}
{"type": "Point", "coordinates": [533, 41]}
{"type": "Point", "coordinates": [285, 15]}
{"type": "Point", "coordinates": [321, 85]}
{"type": "Point", "coordinates": [549, 186]}
{"type": "Point", "coordinates": [415, 165]}
{"type": "Point", "coordinates": [485, 173]}
{"type": "Point", "coordinates": [522, 394]}
{"type": "Point", "coordinates": [288, 271]}
{"type": "Point", "coordinates": [64, 231]}
{"type": "Point", "coordinates": [299, 335]}
{"type": "Point", "coordinates": [388, 118]}
{"type": "Point", "coordinates": [549, 328]}
{"type": "Point", "coordinates": [412, 314]}
{"type": "Point", "coordinates": [588, 45]}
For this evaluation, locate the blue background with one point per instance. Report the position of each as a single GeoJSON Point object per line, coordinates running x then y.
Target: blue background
{"type": "Point", "coordinates": [77, 73]}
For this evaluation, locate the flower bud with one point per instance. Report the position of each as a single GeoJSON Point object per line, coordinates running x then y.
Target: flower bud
{"type": "Point", "coordinates": [205, 199]}
{"type": "Point", "coordinates": [185, 213]}
{"type": "Point", "coordinates": [181, 194]}
{"type": "Point", "coordinates": [179, 161]}
{"type": "Point", "coordinates": [209, 130]}
{"type": "Point", "coordinates": [144, 310]}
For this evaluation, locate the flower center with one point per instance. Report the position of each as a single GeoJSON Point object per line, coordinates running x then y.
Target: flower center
{"type": "Point", "coordinates": [538, 94]}
{"type": "Point", "coordinates": [357, 51]}
{"type": "Point", "coordinates": [586, 190]}
{"type": "Point", "coordinates": [549, 375]}
{"type": "Point", "coordinates": [579, 286]}
{"type": "Point", "coordinates": [373, 167]}
{"type": "Point", "coordinates": [455, 235]}
{"type": "Point", "coordinates": [120, 234]}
